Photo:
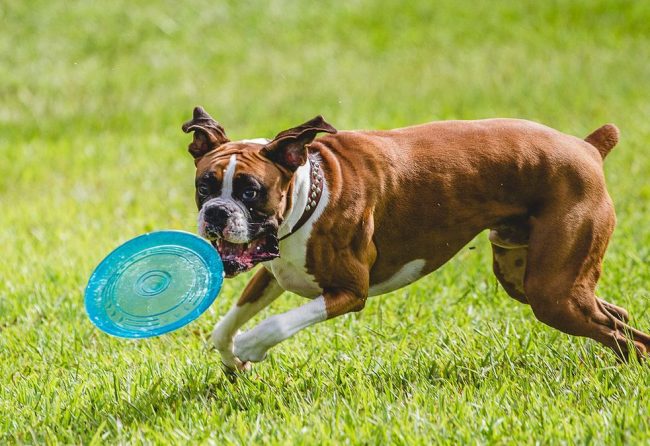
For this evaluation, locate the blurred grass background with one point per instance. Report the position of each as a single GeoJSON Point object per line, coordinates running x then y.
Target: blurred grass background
{"type": "Point", "coordinates": [92, 96]}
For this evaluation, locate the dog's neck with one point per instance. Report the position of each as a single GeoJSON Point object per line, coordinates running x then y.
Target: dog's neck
{"type": "Point", "coordinates": [308, 183]}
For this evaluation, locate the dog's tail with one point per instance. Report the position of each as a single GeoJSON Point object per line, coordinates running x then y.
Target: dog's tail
{"type": "Point", "coordinates": [604, 138]}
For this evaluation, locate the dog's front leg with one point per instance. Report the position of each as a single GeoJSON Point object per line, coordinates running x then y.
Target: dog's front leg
{"type": "Point", "coordinates": [252, 345]}
{"type": "Point", "coordinates": [260, 292]}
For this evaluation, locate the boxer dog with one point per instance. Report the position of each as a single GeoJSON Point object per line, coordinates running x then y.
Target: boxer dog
{"type": "Point", "coordinates": [354, 214]}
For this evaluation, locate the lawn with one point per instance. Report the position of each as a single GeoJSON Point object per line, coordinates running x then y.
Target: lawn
{"type": "Point", "coordinates": [92, 96]}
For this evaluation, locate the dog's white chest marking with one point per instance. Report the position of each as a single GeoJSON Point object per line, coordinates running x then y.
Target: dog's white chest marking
{"type": "Point", "coordinates": [290, 268]}
{"type": "Point", "coordinates": [407, 274]}
{"type": "Point", "coordinates": [294, 278]}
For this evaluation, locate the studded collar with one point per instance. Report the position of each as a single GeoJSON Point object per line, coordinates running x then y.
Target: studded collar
{"type": "Point", "coordinates": [316, 181]}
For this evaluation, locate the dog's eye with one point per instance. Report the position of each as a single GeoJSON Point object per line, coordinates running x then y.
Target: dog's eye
{"type": "Point", "coordinates": [203, 190]}
{"type": "Point", "coordinates": [249, 194]}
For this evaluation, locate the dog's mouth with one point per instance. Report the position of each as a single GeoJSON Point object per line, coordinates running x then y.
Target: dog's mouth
{"type": "Point", "coordinates": [240, 257]}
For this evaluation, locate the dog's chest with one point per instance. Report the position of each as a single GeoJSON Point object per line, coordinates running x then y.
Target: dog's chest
{"type": "Point", "coordinates": [294, 277]}
{"type": "Point", "coordinates": [290, 269]}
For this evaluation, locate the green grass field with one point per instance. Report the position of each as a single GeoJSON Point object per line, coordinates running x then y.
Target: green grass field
{"type": "Point", "coordinates": [92, 96]}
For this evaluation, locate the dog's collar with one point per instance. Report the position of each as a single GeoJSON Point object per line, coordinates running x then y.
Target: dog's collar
{"type": "Point", "coordinates": [316, 181]}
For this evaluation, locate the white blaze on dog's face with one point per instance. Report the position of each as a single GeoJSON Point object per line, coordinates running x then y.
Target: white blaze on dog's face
{"type": "Point", "coordinates": [243, 188]}
{"type": "Point", "coordinates": [223, 216]}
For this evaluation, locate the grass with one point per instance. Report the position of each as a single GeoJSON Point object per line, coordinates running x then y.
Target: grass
{"type": "Point", "coordinates": [91, 100]}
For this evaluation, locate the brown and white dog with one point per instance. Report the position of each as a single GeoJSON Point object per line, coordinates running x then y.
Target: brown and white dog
{"type": "Point", "coordinates": [354, 214]}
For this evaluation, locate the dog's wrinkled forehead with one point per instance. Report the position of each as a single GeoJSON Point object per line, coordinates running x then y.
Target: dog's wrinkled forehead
{"type": "Point", "coordinates": [242, 157]}
{"type": "Point", "coordinates": [212, 174]}
{"type": "Point", "coordinates": [214, 165]}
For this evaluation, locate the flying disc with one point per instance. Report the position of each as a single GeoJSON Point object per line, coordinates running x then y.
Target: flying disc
{"type": "Point", "coordinates": [153, 284]}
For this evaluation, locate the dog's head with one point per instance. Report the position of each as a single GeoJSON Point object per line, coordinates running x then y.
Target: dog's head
{"type": "Point", "coordinates": [243, 188]}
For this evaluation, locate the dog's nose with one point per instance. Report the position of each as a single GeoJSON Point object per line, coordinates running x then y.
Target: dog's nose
{"type": "Point", "coordinates": [216, 216]}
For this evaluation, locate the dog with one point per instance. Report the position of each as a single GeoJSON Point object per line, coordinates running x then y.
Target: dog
{"type": "Point", "coordinates": [354, 214]}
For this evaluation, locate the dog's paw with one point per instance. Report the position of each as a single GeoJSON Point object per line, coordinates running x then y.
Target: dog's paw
{"type": "Point", "coordinates": [248, 348]}
{"type": "Point", "coordinates": [229, 361]}
{"type": "Point", "coordinates": [233, 365]}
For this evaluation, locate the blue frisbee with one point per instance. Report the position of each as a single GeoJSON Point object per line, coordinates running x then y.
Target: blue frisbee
{"type": "Point", "coordinates": [153, 284]}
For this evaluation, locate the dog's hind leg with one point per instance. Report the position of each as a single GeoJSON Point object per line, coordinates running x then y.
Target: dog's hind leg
{"type": "Point", "coordinates": [509, 265]}
{"type": "Point", "coordinates": [566, 247]}
{"type": "Point", "coordinates": [509, 258]}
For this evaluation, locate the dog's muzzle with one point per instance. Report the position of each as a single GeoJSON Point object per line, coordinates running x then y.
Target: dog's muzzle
{"type": "Point", "coordinates": [241, 245]}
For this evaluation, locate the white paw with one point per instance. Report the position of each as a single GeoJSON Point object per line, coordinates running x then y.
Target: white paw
{"type": "Point", "coordinates": [224, 345]}
{"type": "Point", "coordinates": [232, 363]}
{"type": "Point", "coordinates": [249, 348]}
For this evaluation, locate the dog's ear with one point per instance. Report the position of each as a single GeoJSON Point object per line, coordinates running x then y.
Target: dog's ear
{"type": "Point", "coordinates": [289, 148]}
{"type": "Point", "coordinates": [208, 133]}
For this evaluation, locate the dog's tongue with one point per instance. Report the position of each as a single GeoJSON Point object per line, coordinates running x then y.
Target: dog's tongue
{"type": "Point", "coordinates": [243, 256]}
{"type": "Point", "coordinates": [227, 249]}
